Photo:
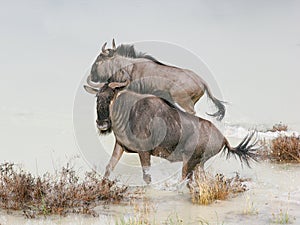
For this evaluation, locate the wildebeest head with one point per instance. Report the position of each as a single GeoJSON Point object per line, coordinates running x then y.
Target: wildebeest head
{"type": "Point", "coordinates": [105, 95]}
{"type": "Point", "coordinates": [105, 54]}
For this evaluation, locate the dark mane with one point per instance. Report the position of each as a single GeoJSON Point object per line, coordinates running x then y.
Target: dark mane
{"type": "Point", "coordinates": [130, 52]}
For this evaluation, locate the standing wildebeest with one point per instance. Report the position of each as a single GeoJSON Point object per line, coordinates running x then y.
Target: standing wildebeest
{"type": "Point", "coordinates": [149, 125]}
{"type": "Point", "coordinates": [149, 76]}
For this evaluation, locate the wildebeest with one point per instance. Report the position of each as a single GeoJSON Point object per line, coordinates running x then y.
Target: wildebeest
{"type": "Point", "coordinates": [149, 76]}
{"type": "Point", "coordinates": [149, 125]}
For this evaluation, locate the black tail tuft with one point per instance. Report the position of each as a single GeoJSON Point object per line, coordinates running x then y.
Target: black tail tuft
{"type": "Point", "coordinates": [219, 104]}
{"type": "Point", "coordinates": [245, 150]}
{"type": "Point", "coordinates": [221, 109]}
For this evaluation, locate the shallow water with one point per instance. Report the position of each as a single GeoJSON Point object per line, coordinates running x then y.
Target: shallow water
{"type": "Point", "coordinates": [273, 188]}
{"type": "Point", "coordinates": [41, 138]}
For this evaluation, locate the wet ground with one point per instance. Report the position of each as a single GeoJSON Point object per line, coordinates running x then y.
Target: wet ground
{"type": "Point", "coordinates": [273, 194]}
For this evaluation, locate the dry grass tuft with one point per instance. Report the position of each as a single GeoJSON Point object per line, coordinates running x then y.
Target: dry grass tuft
{"type": "Point", "coordinates": [279, 127]}
{"type": "Point", "coordinates": [61, 194]}
{"type": "Point", "coordinates": [142, 214]}
{"type": "Point", "coordinates": [282, 217]}
{"type": "Point", "coordinates": [205, 188]}
{"type": "Point", "coordinates": [283, 149]}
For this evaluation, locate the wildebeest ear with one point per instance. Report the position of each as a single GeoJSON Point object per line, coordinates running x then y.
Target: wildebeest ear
{"type": "Point", "coordinates": [90, 89]}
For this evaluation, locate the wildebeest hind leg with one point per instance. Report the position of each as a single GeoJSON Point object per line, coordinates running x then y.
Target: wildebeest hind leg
{"type": "Point", "coordinates": [145, 158]}
{"type": "Point", "coordinates": [114, 159]}
{"type": "Point", "coordinates": [189, 166]}
{"type": "Point", "coordinates": [187, 104]}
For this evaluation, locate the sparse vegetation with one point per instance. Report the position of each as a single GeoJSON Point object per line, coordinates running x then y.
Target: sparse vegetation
{"type": "Point", "coordinates": [173, 219]}
{"type": "Point", "coordinates": [141, 215]}
{"type": "Point", "coordinates": [140, 219]}
{"type": "Point", "coordinates": [282, 149]}
{"type": "Point", "coordinates": [144, 214]}
{"type": "Point", "coordinates": [278, 127]}
{"type": "Point", "coordinates": [250, 208]}
{"type": "Point", "coordinates": [282, 217]}
{"type": "Point", "coordinates": [203, 221]}
{"type": "Point", "coordinates": [205, 188]}
{"type": "Point", "coordinates": [60, 194]}
{"type": "Point", "coordinates": [134, 220]}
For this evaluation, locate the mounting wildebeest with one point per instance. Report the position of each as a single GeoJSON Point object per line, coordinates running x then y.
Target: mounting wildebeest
{"type": "Point", "coordinates": [149, 76]}
{"type": "Point", "coordinates": [149, 125]}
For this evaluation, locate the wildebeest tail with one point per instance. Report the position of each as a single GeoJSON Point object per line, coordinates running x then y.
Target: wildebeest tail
{"type": "Point", "coordinates": [219, 104]}
{"type": "Point", "coordinates": [246, 150]}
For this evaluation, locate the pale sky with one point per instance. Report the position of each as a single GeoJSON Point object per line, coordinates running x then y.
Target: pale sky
{"type": "Point", "coordinates": [252, 48]}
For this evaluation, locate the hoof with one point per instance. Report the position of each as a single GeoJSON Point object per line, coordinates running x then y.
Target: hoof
{"type": "Point", "coordinates": [147, 178]}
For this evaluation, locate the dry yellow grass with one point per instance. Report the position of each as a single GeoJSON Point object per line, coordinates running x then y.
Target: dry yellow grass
{"type": "Point", "coordinates": [205, 189]}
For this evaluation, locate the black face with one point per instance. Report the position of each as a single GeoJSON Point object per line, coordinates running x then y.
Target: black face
{"type": "Point", "coordinates": [104, 97]}
{"type": "Point", "coordinates": [109, 53]}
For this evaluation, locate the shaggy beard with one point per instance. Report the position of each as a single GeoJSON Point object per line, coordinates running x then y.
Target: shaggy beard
{"type": "Point", "coordinates": [104, 132]}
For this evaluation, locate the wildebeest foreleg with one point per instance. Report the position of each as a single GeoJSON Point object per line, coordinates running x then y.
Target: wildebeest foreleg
{"type": "Point", "coordinates": [114, 159]}
{"type": "Point", "coordinates": [145, 158]}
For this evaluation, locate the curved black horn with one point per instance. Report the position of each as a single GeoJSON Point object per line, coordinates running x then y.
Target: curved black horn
{"type": "Point", "coordinates": [114, 44]}
{"type": "Point", "coordinates": [92, 84]}
{"type": "Point", "coordinates": [103, 47]}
